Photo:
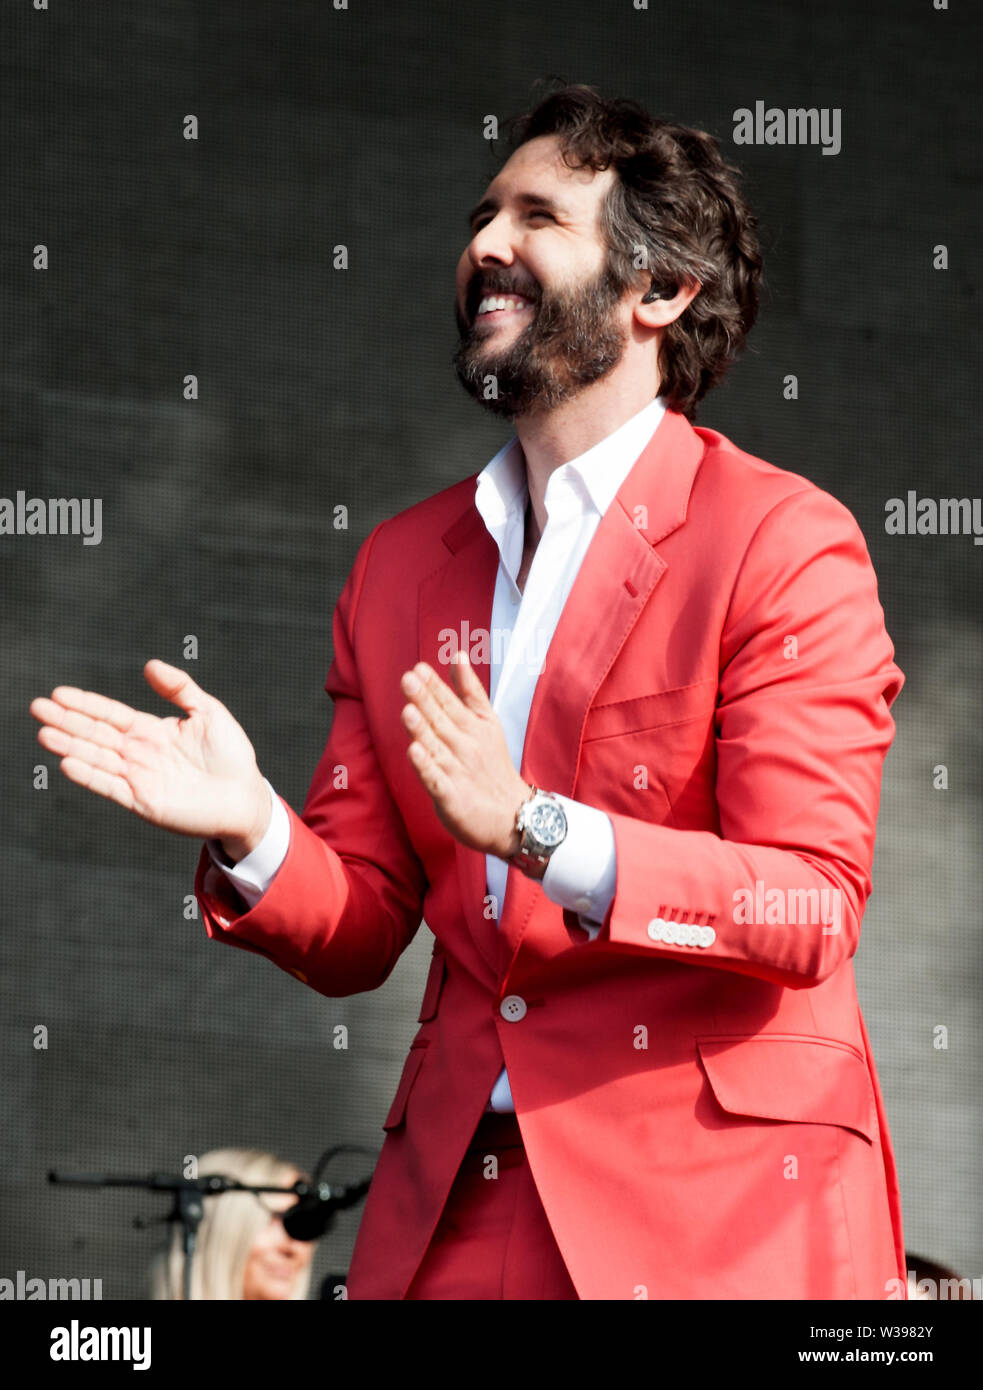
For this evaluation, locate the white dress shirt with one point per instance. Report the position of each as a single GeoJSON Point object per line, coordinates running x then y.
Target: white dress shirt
{"type": "Point", "coordinates": [582, 871]}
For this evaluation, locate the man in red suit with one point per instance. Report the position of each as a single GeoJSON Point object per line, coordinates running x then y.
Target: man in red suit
{"type": "Point", "coordinates": [611, 716]}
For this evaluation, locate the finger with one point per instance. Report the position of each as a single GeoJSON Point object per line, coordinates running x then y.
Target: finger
{"type": "Point", "coordinates": [68, 699]}
{"type": "Point", "coordinates": [175, 685]}
{"type": "Point", "coordinates": [434, 780]}
{"type": "Point", "coordinates": [418, 728]}
{"type": "Point", "coordinates": [72, 724]}
{"type": "Point", "coordinates": [435, 700]}
{"type": "Point", "coordinates": [99, 781]}
{"type": "Point", "coordinates": [467, 682]}
{"type": "Point", "coordinates": [81, 750]}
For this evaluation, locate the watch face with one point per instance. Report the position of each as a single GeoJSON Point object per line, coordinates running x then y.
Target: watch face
{"type": "Point", "coordinates": [548, 823]}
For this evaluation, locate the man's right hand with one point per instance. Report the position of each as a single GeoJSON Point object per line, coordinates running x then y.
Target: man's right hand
{"type": "Point", "coordinates": [196, 776]}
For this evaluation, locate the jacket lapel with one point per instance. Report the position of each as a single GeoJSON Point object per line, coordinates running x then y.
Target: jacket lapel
{"type": "Point", "coordinates": [617, 578]}
{"type": "Point", "coordinates": [456, 598]}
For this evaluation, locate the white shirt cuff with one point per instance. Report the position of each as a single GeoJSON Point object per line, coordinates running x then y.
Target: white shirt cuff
{"type": "Point", "coordinates": [582, 872]}
{"type": "Point", "coordinates": [254, 874]}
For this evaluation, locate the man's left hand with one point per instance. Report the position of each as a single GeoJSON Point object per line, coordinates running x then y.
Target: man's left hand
{"type": "Point", "coordinates": [460, 755]}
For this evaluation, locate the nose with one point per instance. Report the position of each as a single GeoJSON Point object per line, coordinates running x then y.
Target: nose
{"type": "Point", "coordinates": [301, 1252]}
{"type": "Point", "coordinates": [491, 242]}
{"type": "Point", "coordinates": [289, 1245]}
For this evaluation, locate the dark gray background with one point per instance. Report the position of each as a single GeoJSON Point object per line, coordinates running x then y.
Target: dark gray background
{"type": "Point", "coordinates": [321, 387]}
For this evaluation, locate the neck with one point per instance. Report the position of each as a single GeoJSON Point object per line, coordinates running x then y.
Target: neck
{"type": "Point", "coordinates": [551, 438]}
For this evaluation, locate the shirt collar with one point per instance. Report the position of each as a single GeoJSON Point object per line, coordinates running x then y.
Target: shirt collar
{"type": "Point", "coordinates": [606, 465]}
{"type": "Point", "coordinates": [501, 489]}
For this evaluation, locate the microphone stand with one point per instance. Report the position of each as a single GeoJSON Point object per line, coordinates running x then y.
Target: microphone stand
{"type": "Point", "coordinates": [188, 1204]}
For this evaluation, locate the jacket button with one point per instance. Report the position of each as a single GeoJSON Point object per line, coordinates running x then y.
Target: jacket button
{"type": "Point", "coordinates": [512, 1008]}
{"type": "Point", "coordinates": [654, 928]}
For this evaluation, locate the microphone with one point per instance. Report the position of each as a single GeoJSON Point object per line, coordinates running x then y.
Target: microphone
{"type": "Point", "coordinates": [659, 292]}
{"type": "Point", "coordinates": [314, 1212]}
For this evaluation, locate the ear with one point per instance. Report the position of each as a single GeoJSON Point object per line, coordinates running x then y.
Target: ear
{"type": "Point", "coordinates": [657, 313]}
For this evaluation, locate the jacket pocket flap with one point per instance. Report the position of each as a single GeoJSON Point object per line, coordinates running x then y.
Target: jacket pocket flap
{"type": "Point", "coordinates": [411, 1066]}
{"type": "Point", "coordinates": [786, 1077]}
{"type": "Point", "coordinates": [678, 706]}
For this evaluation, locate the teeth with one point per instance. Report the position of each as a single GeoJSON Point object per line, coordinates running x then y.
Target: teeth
{"type": "Point", "coordinates": [501, 302]}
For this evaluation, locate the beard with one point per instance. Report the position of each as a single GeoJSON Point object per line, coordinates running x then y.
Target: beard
{"type": "Point", "coordinates": [573, 339]}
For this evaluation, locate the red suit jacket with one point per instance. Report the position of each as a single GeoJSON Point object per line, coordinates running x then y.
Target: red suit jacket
{"type": "Point", "coordinates": [695, 1090]}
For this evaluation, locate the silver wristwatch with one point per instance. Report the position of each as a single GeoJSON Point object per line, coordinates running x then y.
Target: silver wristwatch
{"type": "Point", "coordinates": [543, 827]}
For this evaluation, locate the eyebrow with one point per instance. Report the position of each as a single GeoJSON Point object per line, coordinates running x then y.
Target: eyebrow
{"type": "Point", "coordinates": [539, 200]}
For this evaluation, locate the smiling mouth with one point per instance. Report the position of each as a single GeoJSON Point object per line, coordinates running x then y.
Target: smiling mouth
{"type": "Point", "coordinates": [493, 308]}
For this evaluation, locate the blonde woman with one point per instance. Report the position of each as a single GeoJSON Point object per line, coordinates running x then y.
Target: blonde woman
{"type": "Point", "coordinates": [242, 1251]}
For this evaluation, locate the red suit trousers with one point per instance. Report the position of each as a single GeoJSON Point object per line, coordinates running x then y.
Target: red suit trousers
{"type": "Point", "coordinates": [493, 1240]}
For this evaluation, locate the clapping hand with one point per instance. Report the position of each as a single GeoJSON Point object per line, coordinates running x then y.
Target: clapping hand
{"type": "Point", "coordinates": [195, 775]}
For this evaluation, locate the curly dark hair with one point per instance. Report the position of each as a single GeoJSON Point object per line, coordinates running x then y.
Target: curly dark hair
{"type": "Point", "coordinates": [677, 206]}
